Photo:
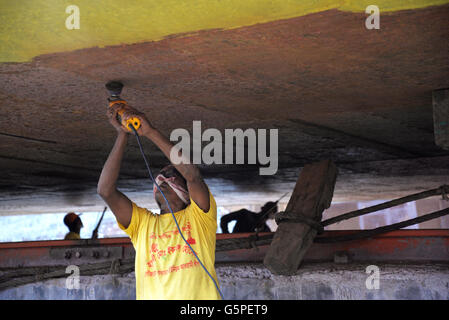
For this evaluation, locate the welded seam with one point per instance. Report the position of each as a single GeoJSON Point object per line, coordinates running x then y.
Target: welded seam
{"type": "Point", "coordinates": [26, 138]}
{"type": "Point", "coordinates": [366, 142]}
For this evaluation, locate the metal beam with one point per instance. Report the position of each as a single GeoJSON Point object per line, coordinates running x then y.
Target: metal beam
{"type": "Point", "coordinates": [397, 246]}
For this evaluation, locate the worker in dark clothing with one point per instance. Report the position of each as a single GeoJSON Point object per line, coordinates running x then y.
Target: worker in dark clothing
{"type": "Point", "coordinates": [74, 223]}
{"type": "Point", "coordinates": [248, 221]}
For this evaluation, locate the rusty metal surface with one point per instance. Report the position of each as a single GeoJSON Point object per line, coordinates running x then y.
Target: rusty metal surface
{"type": "Point", "coordinates": [332, 88]}
{"type": "Point", "coordinates": [397, 246]}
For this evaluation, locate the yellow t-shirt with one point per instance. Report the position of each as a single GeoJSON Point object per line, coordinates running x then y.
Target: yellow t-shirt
{"type": "Point", "coordinates": [165, 267]}
{"type": "Point", "coordinates": [72, 236]}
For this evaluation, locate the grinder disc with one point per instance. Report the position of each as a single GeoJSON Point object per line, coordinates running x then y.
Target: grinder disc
{"type": "Point", "coordinates": [114, 87]}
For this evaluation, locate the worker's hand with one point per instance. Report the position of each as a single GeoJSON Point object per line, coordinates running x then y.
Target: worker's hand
{"type": "Point", "coordinates": [112, 116]}
{"type": "Point", "coordinates": [145, 125]}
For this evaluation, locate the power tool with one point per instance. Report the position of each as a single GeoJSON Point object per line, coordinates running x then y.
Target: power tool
{"type": "Point", "coordinates": [115, 89]}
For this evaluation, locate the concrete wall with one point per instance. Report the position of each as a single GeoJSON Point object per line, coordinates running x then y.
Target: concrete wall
{"type": "Point", "coordinates": [254, 281]}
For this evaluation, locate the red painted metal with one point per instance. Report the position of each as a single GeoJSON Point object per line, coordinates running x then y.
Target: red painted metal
{"type": "Point", "coordinates": [397, 246]}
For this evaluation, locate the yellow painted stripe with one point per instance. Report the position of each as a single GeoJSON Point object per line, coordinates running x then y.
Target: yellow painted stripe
{"type": "Point", "coordinates": [33, 27]}
{"type": "Point", "coordinates": [388, 5]}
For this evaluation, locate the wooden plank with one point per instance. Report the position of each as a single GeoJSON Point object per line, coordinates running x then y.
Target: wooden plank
{"type": "Point", "coordinates": [312, 195]}
{"type": "Point", "coordinates": [440, 102]}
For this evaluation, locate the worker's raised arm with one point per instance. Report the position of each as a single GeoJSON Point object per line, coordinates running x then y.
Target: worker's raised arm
{"type": "Point", "coordinates": [119, 204]}
{"type": "Point", "coordinates": [198, 190]}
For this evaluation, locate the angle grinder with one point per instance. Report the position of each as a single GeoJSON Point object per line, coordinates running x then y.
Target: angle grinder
{"type": "Point", "coordinates": [115, 89]}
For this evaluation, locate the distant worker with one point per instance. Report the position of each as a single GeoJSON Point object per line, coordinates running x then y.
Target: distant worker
{"type": "Point", "coordinates": [74, 223]}
{"type": "Point", "coordinates": [248, 221]}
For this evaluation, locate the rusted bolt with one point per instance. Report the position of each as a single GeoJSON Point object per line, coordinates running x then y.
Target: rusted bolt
{"type": "Point", "coordinates": [68, 255]}
{"type": "Point", "coordinates": [78, 254]}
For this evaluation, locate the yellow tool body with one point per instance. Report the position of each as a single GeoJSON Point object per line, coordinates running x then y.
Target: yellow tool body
{"type": "Point", "coordinates": [126, 123]}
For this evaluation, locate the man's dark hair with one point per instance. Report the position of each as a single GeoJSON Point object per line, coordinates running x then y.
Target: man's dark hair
{"type": "Point", "coordinates": [270, 205]}
{"type": "Point", "coordinates": [171, 171]}
{"type": "Point", "coordinates": [73, 225]}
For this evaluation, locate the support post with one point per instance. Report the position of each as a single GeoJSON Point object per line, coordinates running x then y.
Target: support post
{"type": "Point", "coordinates": [440, 102]}
{"type": "Point", "coordinates": [312, 195]}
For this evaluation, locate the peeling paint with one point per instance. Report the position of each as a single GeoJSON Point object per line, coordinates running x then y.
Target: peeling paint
{"type": "Point", "coordinates": [32, 28]}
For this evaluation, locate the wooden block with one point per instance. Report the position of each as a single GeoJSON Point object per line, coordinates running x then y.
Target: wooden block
{"type": "Point", "coordinates": [312, 195]}
{"type": "Point", "coordinates": [440, 102]}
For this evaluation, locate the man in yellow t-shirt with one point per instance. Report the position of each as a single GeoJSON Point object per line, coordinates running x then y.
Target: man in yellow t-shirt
{"type": "Point", "coordinates": [165, 266]}
{"type": "Point", "coordinates": [74, 223]}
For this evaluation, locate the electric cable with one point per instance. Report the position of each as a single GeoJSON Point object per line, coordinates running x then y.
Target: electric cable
{"type": "Point", "coordinates": [172, 213]}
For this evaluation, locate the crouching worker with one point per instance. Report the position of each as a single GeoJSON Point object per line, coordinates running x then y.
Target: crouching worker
{"type": "Point", "coordinates": [165, 266]}
{"type": "Point", "coordinates": [248, 221]}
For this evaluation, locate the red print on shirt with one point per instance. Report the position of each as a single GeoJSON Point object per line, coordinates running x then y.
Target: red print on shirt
{"type": "Point", "coordinates": [156, 253]}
